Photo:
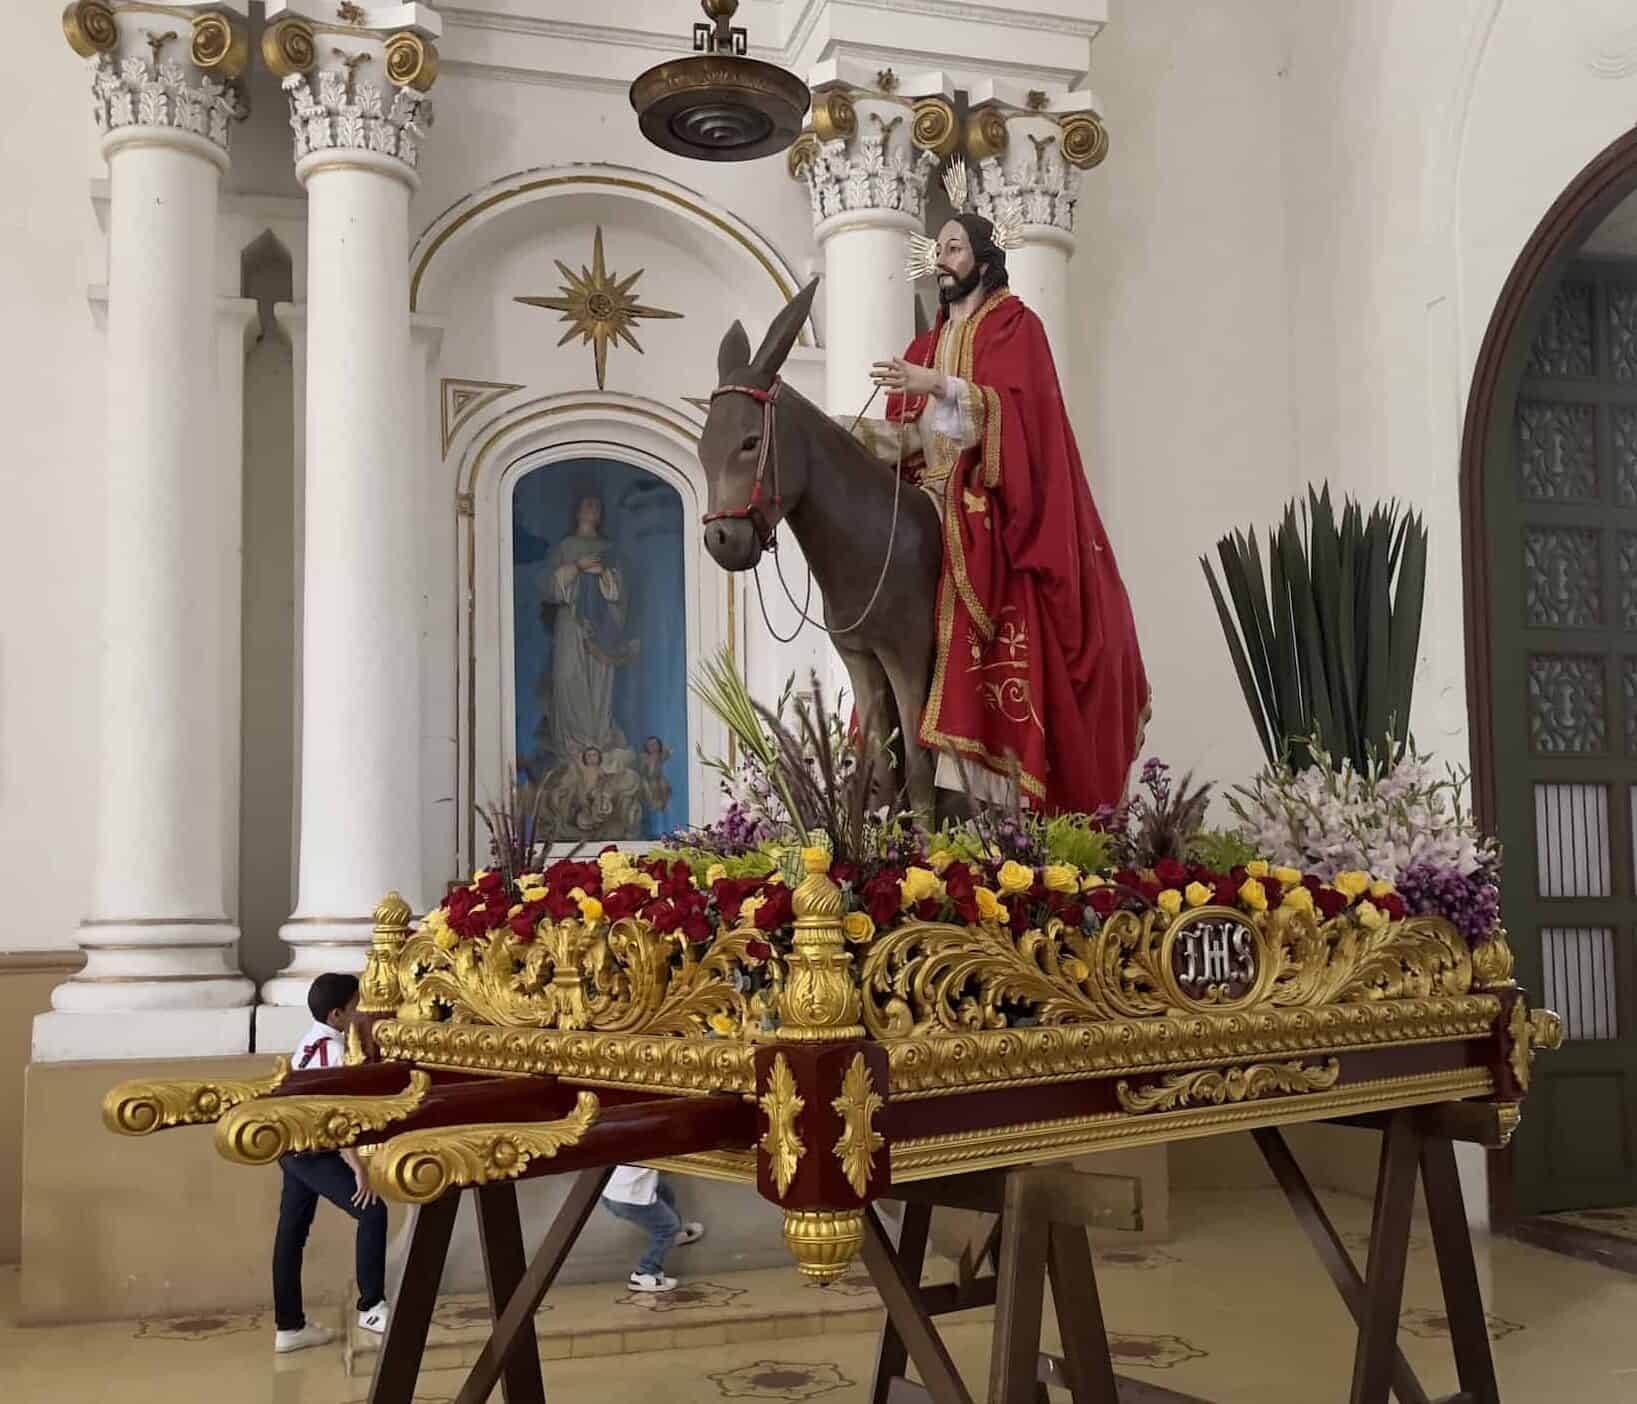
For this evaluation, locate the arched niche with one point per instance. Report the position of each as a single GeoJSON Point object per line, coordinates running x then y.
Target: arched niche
{"type": "Point", "coordinates": [562, 434]}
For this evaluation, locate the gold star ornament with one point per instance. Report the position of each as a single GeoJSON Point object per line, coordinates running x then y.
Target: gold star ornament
{"type": "Point", "coordinates": [599, 307]}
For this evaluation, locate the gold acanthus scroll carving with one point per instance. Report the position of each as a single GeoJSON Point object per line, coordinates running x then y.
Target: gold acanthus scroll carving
{"type": "Point", "coordinates": [420, 1166]}
{"type": "Point", "coordinates": [259, 1132]}
{"type": "Point", "coordinates": [927, 977]}
{"type": "Point", "coordinates": [1216, 1086]}
{"type": "Point", "coordinates": [781, 1142]}
{"type": "Point", "coordinates": [143, 1107]}
{"type": "Point", "coordinates": [859, 1141]}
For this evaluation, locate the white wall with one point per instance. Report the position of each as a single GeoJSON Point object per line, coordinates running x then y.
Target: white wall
{"type": "Point", "coordinates": [51, 404]}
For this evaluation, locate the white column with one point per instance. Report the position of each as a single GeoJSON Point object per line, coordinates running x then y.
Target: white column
{"type": "Point", "coordinates": [161, 974]}
{"type": "Point", "coordinates": [1029, 149]}
{"type": "Point", "coordinates": [866, 161]}
{"type": "Point", "coordinates": [358, 111]}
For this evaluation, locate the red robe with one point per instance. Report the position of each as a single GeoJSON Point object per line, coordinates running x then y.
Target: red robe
{"type": "Point", "coordinates": [1037, 654]}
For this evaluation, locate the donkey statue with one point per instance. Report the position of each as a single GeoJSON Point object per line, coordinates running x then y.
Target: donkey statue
{"type": "Point", "coordinates": [771, 456]}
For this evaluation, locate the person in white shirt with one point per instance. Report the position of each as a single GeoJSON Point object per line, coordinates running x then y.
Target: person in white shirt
{"type": "Point", "coordinates": [643, 1197]}
{"type": "Point", "coordinates": [339, 1177]}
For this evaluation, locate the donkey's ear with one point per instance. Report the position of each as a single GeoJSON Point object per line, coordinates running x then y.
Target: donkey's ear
{"type": "Point", "coordinates": [782, 334]}
{"type": "Point", "coordinates": [733, 354]}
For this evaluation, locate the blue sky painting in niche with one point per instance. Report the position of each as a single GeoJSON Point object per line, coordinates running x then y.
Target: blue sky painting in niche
{"type": "Point", "coordinates": [600, 639]}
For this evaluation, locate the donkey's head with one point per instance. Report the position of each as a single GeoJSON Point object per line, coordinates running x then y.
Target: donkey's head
{"type": "Point", "coordinates": [753, 461]}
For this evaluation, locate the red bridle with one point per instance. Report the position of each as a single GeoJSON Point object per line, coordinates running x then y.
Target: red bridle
{"type": "Point", "coordinates": [752, 510]}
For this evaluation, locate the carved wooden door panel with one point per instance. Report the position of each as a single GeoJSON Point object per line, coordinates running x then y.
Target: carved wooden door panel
{"type": "Point", "coordinates": [1563, 616]}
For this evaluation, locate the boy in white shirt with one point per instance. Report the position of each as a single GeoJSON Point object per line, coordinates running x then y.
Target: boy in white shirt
{"type": "Point", "coordinates": [339, 1177]}
{"type": "Point", "coordinates": [642, 1197]}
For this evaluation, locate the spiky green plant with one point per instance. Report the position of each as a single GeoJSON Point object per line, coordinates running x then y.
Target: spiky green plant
{"type": "Point", "coordinates": [1325, 641]}
{"type": "Point", "coordinates": [719, 685]}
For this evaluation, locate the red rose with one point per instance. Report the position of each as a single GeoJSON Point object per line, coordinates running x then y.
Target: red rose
{"type": "Point", "coordinates": [1103, 900]}
{"type": "Point", "coordinates": [1150, 891]}
{"type": "Point", "coordinates": [882, 897]}
{"type": "Point", "coordinates": [1073, 913]}
{"type": "Point", "coordinates": [523, 926]}
{"type": "Point", "coordinates": [1312, 884]}
{"type": "Point", "coordinates": [843, 872]}
{"type": "Point", "coordinates": [757, 950]}
{"type": "Point", "coordinates": [1393, 905]}
{"type": "Point", "coordinates": [730, 894]}
{"type": "Point", "coordinates": [1225, 892]}
{"type": "Point", "coordinates": [928, 909]}
{"type": "Point", "coordinates": [491, 882]}
{"type": "Point", "coordinates": [662, 915]}
{"type": "Point", "coordinates": [775, 911]}
{"type": "Point", "coordinates": [560, 906]}
{"type": "Point", "coordinates": [1274, 889]}
{"type": "Point", "coordinates": [1171, 873]}
{"type": "Point", "coordinates": [1330, 902]}
{"type": "Point", "coordinates": [1238, 875]}
{"type": "Point", "coordinates": [625, 900]}
{"type": "Point", "coordinates": [960, 880]}
{"type": "Point", "coordinates": [695, 928]}
{"type": "Point", "coordinates": [1129, 877]}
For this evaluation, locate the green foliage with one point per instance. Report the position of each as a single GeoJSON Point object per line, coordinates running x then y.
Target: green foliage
{"type": "Point", "coordinates": [700, 861]}
{"type": "Point", "coordinates": [720, 687]}
{"type": "Point", "coordinates": [1221, 850]}
{"type": "Point", "coordinates": [1076, 839]}
{"type": "Point", "coordinates": [1325, 641]}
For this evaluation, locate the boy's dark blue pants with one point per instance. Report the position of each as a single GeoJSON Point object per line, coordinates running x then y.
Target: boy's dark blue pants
{"type": "Point", "coordinates": [307, 1179]}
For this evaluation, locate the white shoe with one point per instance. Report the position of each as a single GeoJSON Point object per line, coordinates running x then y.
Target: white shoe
{"type": "Point", "coordinates": [649, 1282]}
{"type": "Point", "coordinates": [689, 1233]}
{"type": "Point", "coordinates": [375, 1319]}
{"type": "Point", "coordinates": [309, 1335]}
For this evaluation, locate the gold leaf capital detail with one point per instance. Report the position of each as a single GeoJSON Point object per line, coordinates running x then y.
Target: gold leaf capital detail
{"type": "Point", "coordinates": [781, 1142]}
{"type": "Point", "coordinates": [857, 1106]}
{"type": "Point", "coordinates": [1214, 1086]}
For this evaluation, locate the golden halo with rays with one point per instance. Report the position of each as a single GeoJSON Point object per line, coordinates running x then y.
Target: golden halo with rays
{"type": "Point", "coordinates": [599, 307]}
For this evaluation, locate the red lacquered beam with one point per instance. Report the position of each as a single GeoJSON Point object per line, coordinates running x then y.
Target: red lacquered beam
{"type": "Point", "coordinates": [420, 1166]}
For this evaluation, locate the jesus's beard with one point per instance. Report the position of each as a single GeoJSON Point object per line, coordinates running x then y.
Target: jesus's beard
{"type": "Point", "coordinates": [962, 287]}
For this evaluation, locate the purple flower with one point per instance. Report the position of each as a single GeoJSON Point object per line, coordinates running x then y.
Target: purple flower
{"type": "Point", "coordinates": [1471, 903]}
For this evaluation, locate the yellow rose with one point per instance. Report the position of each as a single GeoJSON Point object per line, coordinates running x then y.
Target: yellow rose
{"type": "Point", "coordinates": [1290, 877]}
{"type": "Point", "coordinates": [816, 859]}
{"type": "Point", "coordinates": [479, 875]}
{"type": "Point", "coordinates": [989, 907]}
{"type": "Point", "coordinates": [1169, 901]}
{"type": "Point", "coordinates": [775, 876]}
{"type": "Point", "coordinates": [1198, 894]}
{"type": "Point", "coordinates": [1256, 869]}
{"type": "Point", "coordinates": [1076, 969]}
{"type": "Point", "coordinates": [858, 926]}
{"type": "Point", "coordinates": [918, 884]}
{"type": "Point", "coordinates": [1060, 877]}
{"type": "Point", "coordinates": [1253, 895]}
{"type": "Point", "coordinates": [611, 858]}
{"type": "Point", "coordinates": [1298, 899]}
{"type": "Point", "coordinates": [445, 938]}
{"type": "Point", "coordinates": [1015, 878]}
{"type": "Point", "coordinates": [1370, 916]}
{"type": "Point", "coordinates": [1352, 884]}
{"type": "Point", "coordinates": [529, 879]}
{"type": "Point", "coordinates": [1381, 888]}
{"type": "Point", "coordinates": [591, 910]}
{"type": "Point", "coordinates": [515, 908]}
{"type": "Point", "coordinates": [723, 1024]}
{"type": "Point", "coordinates": [536, 893]}
{"type": "Point", "coordinates": [648, 882]}
{"type": "Point", "coordinates": [1091, 882]}
{"type": "Point", "coordinates": [715, 874]}
{"type": "Point", "coordinates": [940, 859]}
{"type": "Point", "coordinates": [576, 894]}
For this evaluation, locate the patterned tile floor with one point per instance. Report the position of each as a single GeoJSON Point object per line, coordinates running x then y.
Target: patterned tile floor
{"type": "Point", "coordinates": [1617, 1223]}
{"type": "Point", "coordinates": [1233, 1310]}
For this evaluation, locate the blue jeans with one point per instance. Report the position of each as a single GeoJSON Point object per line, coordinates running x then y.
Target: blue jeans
{"type": "Point", "coordinates": [308, 1178]}
{"type": "Point", "coordinates": [659, 1220]}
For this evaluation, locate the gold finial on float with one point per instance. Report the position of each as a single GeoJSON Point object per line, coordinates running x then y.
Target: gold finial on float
{"type": "Point", "coordinates": [378, 986]}
{"type": "Point", "coordinates": [823, 1242]}
{"type": "Point", "coordinates": [820, 1002]}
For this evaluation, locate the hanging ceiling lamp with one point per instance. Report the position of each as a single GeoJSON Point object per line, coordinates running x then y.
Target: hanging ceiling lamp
{"type": "Point", "coordinates": [716, 104]}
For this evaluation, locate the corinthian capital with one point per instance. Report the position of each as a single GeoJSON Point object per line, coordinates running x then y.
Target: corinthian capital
{"type": "Point", "coordinates": [356, 78]}
{"type": "Point", "coordinates": [1029, 150]}
{"type": "Point", "coordinates": [169, 70]}
{"type": "Point", "coordinates": [871, 146]}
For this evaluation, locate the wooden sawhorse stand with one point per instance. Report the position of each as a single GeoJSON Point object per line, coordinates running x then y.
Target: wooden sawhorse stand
{"type": "Point", "coordinates": [1041, 1232]}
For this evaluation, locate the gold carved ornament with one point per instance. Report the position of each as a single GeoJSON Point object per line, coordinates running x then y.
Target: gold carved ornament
{"type": "Point", "coordinates": [1528, 1030]}
{"type": "Point", "coordinates": [1216, 1086]}
{"type": "Point", "coordinates": [859, 1141]}
{"type": "Point", "coordinates": [411, 61]}
{"type": "Point", "coordinates": [820, 999]}
{"type": "Point", "coordinates": [834, 116]}
{"type": "Point", "coordinates": [986, 134]}
{"type": "Point", "coordinates": [614, 978]}
{"type": "Point", "coordinates": [823, 1242]}
{"type": "Point", "coordinates": [143, 1107]}
{"type": "Point", "coordinates": [1085, 140]}
{"type": "Point", "coordinates": [781, 1142]}
{"type": "Point", "coordinates": [1492, 962]}
{"type": "Point", "coordinates": [933, 127]}
{"type": "Point", "coordinates": [936, 977]}
{"type": "Point", "coordinates": [417, 1167]}
{"type": "Point", "coordinates": [378, 986]}
{"type": "Point", "coordinates": [259, 1132]}
{"type": "Point", "coordinates": [89, 27]}
{"type": "Point", "coordinates": [219, 46]}
{"type": "Point", "coordinates": [288, 48]}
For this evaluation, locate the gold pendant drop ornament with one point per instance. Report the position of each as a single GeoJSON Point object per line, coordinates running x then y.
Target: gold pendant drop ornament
{"type": "Point", "coordinates": [717, 104]}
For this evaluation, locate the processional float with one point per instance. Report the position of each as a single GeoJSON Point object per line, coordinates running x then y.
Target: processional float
{"type": "Point", "coordinates": [936, 1064]}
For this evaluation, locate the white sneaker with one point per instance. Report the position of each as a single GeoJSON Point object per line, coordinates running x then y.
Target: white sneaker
{"type": "Point", "coordinates": [309, 1335]}
{"type": "Point", "coordinates": [689, 1233]}
{"type": "Point", "coordinates": [375, 1319]}
{"type": "Point", "coordinates": [649, 1282]}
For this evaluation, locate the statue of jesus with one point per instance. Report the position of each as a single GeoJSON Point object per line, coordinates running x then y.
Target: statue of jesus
{"type": "Point", "coordinates": [1037, 669]}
